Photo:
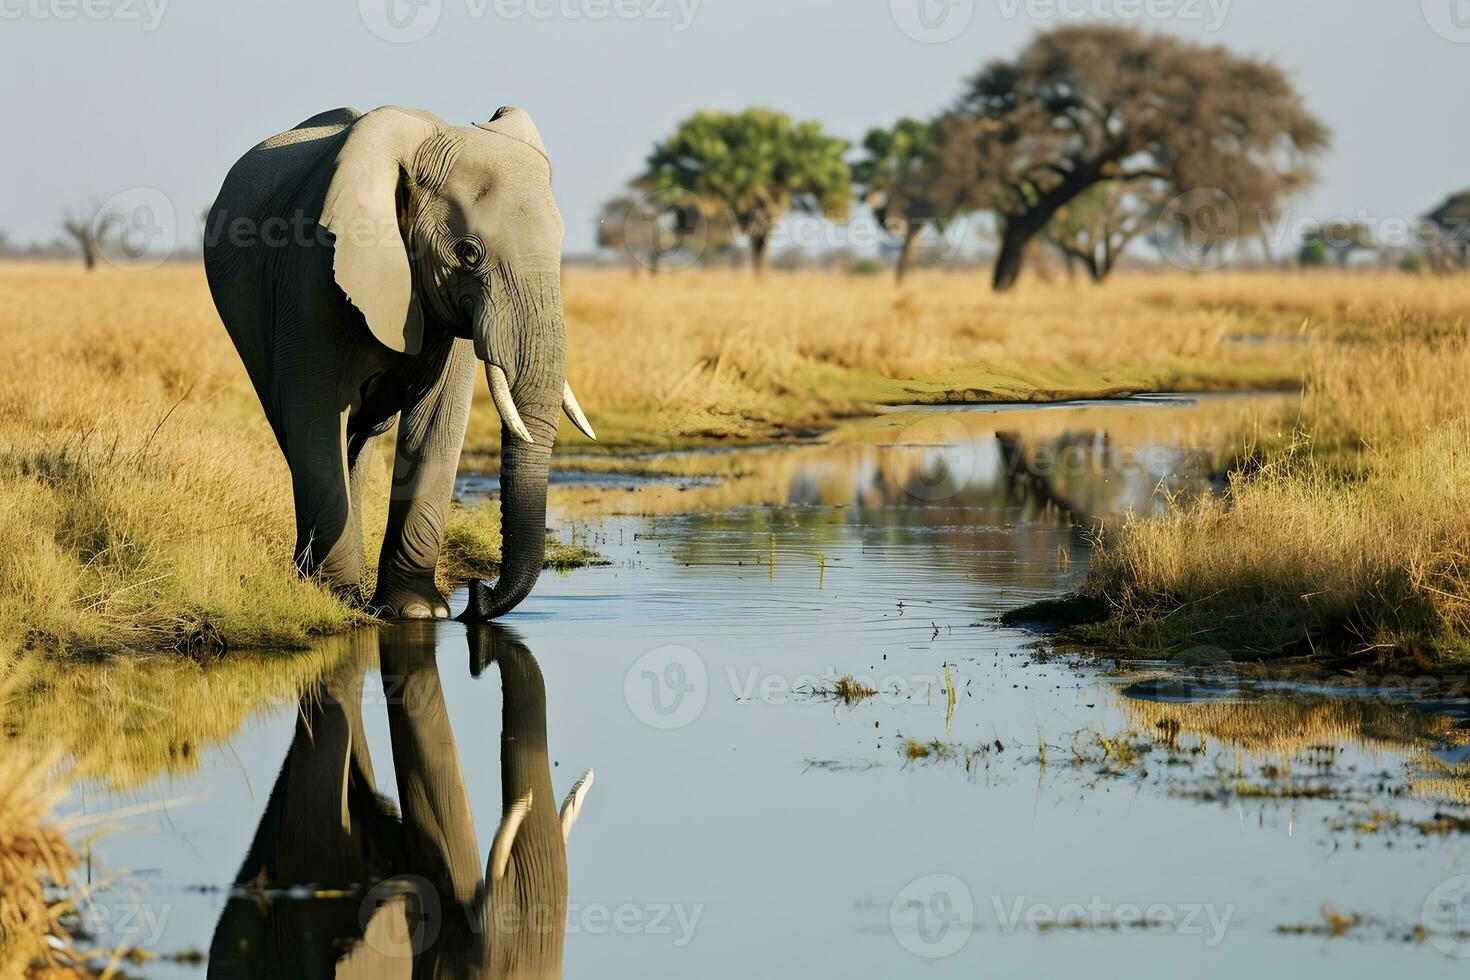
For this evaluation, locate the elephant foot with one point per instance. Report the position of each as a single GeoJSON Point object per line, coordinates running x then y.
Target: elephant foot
{"type": "Point", "coordinates": [410, 601]}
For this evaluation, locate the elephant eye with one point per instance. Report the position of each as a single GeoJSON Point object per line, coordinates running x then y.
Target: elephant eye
{"type": "Point", "coordinates": [469, 252]}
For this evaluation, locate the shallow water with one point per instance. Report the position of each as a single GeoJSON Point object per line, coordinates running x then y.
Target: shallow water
{"type": "Point", "coordinates": [1051, 817]}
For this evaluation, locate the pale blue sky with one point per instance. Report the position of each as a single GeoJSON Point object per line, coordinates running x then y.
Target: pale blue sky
{"type": "Point", "coordinates": [99, 102]}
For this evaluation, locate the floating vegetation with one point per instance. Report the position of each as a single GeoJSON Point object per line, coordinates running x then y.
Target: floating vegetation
{"type": "Point", "coordinates": [938, 751]}
{"type": "Point", "coordinates": [949, 693]}
{"type": "Point", "coordinates": [849, 690]}
{"type": "Point", "coordinates": [1229, 789]}
{"type": "Point", "coordinates": [837, 765]}
{"type": "Point", "coordinates": [1380, 821]}
{"type": "Point", "coordinates": [1435, 779]}
{"type": "Point", "coordinates": [1333, 925]}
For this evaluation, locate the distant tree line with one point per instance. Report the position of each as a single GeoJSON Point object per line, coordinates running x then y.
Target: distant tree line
{"type": "Point", "coordinates": [1078, 142]}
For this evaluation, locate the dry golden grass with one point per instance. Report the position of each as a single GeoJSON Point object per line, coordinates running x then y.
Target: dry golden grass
{"type": "Point", "coordinates": [717, 354]}
{"type": "Point", "coordinates": [1352, 539]}
{"type": "Point", "coordinates": [145, 504]}
{"type": "Point", "coordinates": [36, 861]}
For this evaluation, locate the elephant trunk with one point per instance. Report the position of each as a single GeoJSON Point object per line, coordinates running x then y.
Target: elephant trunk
{"type": "Point", "coordinates": [522, 339]}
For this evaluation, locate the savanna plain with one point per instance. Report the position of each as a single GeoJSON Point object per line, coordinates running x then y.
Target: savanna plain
{"type": "Point", "coordinates": [149, 508]}
{"type": "Point", "coordinates": [147, 519]}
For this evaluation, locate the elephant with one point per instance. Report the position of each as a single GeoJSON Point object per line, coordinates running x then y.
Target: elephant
{"type": "Point", "coordinates": [362, 263]}
{"type": "Point", "coordinates": [405, 896]}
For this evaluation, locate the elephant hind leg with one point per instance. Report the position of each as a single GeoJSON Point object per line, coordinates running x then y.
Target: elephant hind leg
{"type": "Point", "coordinates": [328, 530]}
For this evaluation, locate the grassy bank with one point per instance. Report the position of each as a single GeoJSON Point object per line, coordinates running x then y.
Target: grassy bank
{"type": "Point", "coordinates": [146, 504]}
{"type": "Point", "coordinates": [1351, 541]}
{"type": "Point", "coordinates": [699, 356]}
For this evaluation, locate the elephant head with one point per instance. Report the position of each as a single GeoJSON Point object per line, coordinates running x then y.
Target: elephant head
{"type": "Point", "coordinates": [433, 911]}
{"type": "Point", "coordinates": [455, 228]}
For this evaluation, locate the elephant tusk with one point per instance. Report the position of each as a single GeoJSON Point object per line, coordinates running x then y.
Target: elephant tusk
{"type": "Point", "coordinates": [505, 836]}
{"type": "Point", "coordinates": [574, 412]}
{"type": "Point", "coordinates": [573, 803]}
{"type": "Point", "coordinates": [504, 403]}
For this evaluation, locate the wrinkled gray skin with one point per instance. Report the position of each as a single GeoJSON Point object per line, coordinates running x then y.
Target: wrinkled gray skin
{"type": "Point", "coordinates": [361, 264]}
{"type": "Point", "coordinates": [424, 905]}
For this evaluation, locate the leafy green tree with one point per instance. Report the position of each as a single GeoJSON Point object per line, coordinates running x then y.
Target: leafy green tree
{"type": "Point", "coordinates": [1339, 239]}
{"type": "Point", "coordinates": [902, 177]}
{"type": "Point", "coordinates": [754, 167]}
{"type": "Point", "coordinates": [1313, 252]}
{"type": "Point", "coordinates": [1087, 103]}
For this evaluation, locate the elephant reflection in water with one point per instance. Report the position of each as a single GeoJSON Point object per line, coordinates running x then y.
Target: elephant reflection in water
{"type": "Point", "coordinates": [336, 883]}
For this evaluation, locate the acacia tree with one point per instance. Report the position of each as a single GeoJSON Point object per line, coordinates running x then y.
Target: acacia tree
{"type": "Point", "coordinates": [753, 167]}
{"type": "Point", "coordinates": [89, 229]}
{"type": "Point", "coordinates": [1452, 219]}
{"type": "Point", "coordinates": [1087, 103]}
{"type": "Point", "coordinates": [905, 177]}
{"type": "Point", "coordinates": [1094, 227]}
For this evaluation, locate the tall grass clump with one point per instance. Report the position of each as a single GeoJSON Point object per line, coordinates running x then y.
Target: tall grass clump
{"type": "Point", "coordinates": [1352, 540]}
{"type": "Point", "coordinates": [144, 503]}
{"type": "Point", "coordinates": [36, 861]}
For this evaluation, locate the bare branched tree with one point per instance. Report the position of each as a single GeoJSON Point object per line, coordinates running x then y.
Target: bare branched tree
{"type": "Point", "coordinates": [88, 228]}
{"type": "Point", "coordinates": [1094, 228]}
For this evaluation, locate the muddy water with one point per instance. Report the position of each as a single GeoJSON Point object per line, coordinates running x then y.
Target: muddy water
{"type": "Point", "coordinates": [988, 811]}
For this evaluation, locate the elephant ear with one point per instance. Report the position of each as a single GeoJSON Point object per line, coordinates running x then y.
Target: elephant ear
{"type": "Point", "coordinates": [362, 211]}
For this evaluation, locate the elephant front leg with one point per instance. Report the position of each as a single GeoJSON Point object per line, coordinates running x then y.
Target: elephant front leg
{"type": "Point", "coordinates": [431, 431]}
